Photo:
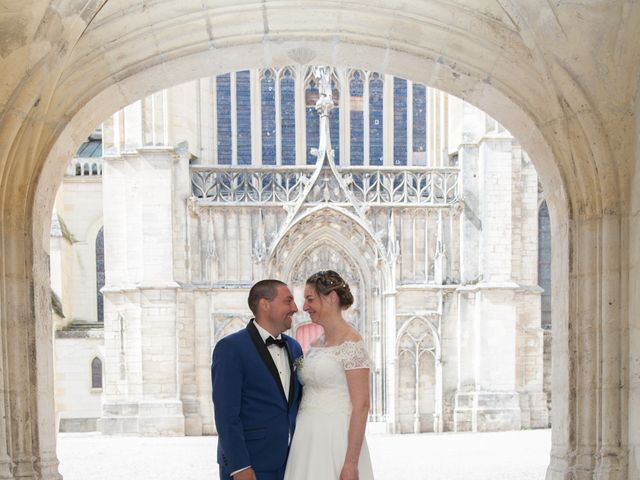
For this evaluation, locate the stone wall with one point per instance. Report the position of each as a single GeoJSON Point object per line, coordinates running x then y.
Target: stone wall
{"type": "Point", "coordinates": [78, 402]}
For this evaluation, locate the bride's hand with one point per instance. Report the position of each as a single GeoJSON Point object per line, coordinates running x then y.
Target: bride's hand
{"type": "Point", "coordinates": [349, 471]}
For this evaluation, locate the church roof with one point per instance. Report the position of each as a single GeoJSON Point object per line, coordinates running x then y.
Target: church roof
{"type": "Point", "coordinates": [92, 147]}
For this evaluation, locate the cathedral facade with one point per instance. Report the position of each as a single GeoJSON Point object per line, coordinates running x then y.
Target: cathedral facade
{"type": "Point", "coordinates": [427, 206]}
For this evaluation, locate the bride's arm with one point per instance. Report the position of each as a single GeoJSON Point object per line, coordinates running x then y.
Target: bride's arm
{"type": "Point", "coordinates": [358, 382]}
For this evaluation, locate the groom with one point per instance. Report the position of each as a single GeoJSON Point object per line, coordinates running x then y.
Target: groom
{"type": "Point", "coordinates": [255, 390]}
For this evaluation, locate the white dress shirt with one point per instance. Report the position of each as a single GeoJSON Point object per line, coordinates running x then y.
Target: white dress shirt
{"type": "Point", "coordinates": [280, 358]}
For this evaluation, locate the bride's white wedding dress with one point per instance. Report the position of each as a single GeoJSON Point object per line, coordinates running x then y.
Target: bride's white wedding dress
{"type": "Point", "coordinates": [320, 440]}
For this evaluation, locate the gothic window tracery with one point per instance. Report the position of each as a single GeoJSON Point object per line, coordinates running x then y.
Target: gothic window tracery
{"type": "Point", "coordinates": [419, 155]}
{"type": "Point", "coordinates": [223, 113]}
{"type": "Point", "coordinates": [268, 115]}
{"type": "Point", "coordinates": [376, 135]}
{"type": "Point", "coordinates": [334, 119]}
{"type": "Point", "coordinates": [243, 117]}
{"type": "Point", "coordinates": [363, 129]}
{"type": "Point", "coordinates": [419, 362]}
{"type": "Point", "coordinates": [288, 116]}
{"type": "Point", "coordinates": [356, 117]}
{"type": "Point", "coordinates": [399, 121]}
{"type": "Point", "coordinates": [544, 262]}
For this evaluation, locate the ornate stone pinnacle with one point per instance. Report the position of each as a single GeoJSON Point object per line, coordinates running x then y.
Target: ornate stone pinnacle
{"type": "Point", "coordinates": [324, 105]}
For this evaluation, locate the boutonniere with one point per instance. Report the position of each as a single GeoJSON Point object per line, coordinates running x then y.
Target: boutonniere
{"type": "Point", "coordinates": [298, 362]}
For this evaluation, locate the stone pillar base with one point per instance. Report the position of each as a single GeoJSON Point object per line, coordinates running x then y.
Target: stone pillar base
{"type": "Point", "coordinates": [588, 464]}
{"type": "Point", "coordinates": [47, 467]}
{"type": "Point", "coordinates": [23, 467]}
{"type": "Point", "coordinates": [158, 418]}
{"type": "Point", "coordinates": [193, 425]}
{"type": "Point", "coordinates": [558, 469]}
{"type": "Point", "coordinates": [535, 413]}
{"type": "Point", "coordinates": [5, 467]}
{"type": "Point", "coordinates": [611, 465]}
{"type": "Point", "coordinates": [192, 418]}
{"type": "Point", "coordinates": [486, 412]}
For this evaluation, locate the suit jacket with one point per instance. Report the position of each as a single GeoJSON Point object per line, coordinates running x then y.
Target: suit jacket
{"type": "Point", "coordinates": [253, 417]}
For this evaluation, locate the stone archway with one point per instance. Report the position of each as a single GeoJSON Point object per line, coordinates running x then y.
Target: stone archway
{"type": "Point", "coordinates": [419, 342]}
{"type": "Point", "coordinates": [77, 65]}
{"type": "Point", "coordinates": [326, 238]}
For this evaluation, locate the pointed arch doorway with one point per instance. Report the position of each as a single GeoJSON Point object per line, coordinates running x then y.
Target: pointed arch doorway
{"type": "Point", "coordinates": [330, 240]}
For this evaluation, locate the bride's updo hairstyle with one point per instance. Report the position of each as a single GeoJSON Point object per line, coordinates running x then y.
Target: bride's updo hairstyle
{"type": "Point", "coordinates": [328, 281]}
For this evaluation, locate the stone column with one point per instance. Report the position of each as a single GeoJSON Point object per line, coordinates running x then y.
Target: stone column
{"type": "Point", "coordinates": [530, 336]}
{"type": "Point", "coordinates": [611, 453]}
{"type": "Point", "coordinates": [588, 391]}
{"type": "Point", "coordinates": [20, 359]}
{"type": "Point", "coordinates": [27, 418]}
{"type": "Point", "coordinates": [470, 230]}
{"type": "Point", "coordinates": [142, 384]}
{"type": "Point", "coordinates": [389, 298]}
{"type": "Point", "coordinates": [632, 424]}
{"type": "Point", "coordinates": [46, 461]}
{"type": "Point", "coordinates": [186, 329]}
{"type": "Point", "coordinates": [203, 306]}
{"type": "Point", "coordinates": [486, 398]}
{"type": "Point", "coordinates": [470, 223]}
{"type": "Point", "coordinates": [5, 459]}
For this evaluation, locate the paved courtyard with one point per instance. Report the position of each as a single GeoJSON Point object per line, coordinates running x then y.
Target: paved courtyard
{"type": "Point", "coordinates": [450, 456]}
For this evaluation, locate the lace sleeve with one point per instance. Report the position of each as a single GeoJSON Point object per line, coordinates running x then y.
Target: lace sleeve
{"type": "Point", "coordinates": [353, 355]}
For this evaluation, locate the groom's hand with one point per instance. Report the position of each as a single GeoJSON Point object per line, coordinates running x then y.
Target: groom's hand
{"type": "Point", "coordinates": [247, 474]}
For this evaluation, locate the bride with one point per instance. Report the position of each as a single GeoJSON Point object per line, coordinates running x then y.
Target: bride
{"type": "Point", "coordinates": [329, 441]}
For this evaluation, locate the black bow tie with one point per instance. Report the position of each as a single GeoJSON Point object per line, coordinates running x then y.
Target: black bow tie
{"type": "Point", "coordinates": [281, 342]}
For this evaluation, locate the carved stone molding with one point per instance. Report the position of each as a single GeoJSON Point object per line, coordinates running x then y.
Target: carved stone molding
{"type": "Point", "coordinates": [284, 186]}
{"type": "Point", "coordinates": [226, 323]}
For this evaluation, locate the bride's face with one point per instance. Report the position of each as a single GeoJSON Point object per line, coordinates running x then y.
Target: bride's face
{"type": "Point", "coordinates": [314, 304]}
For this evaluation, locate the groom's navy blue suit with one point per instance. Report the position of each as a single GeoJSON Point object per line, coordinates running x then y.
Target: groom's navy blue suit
{"type": "Point", "coordinates": [253, 417]}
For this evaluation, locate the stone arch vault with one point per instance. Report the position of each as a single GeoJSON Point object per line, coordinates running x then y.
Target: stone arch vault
{"type": "Point", "coordinates": [563, 78]}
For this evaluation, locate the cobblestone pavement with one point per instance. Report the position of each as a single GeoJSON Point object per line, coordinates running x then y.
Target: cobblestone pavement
{"type": "Point", "coordinates": [449, 456]}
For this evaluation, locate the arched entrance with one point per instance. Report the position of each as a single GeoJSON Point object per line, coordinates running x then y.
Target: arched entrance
{"type": "Point", "coordinates": [459, 50]}
{"type": "Point", "coordinates": [329, 237]}
{"type": "Point", "coordinates": [419, 343]}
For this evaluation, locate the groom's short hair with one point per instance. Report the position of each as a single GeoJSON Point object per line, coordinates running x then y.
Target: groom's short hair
{"type": "Point", "coordinates": [267, 289]}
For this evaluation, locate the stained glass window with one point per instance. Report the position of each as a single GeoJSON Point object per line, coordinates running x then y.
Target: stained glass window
{"type": "Point", "coordinates": [223, 105]}
{"type": "Point", "coordinates": [243, 117]}
{"type": "Point", "coordinates": [288, 117]}
{"type": "Point", "coordinates": [356, 119]}
{"type": "Point", "coordinates": [334, 121]}
{"type": "Point", "coordinates": [96, 373]}
{"type": "Point", "coordinates": [544, 263]}
{"type": "Point", "coordinates": [376, 95]}
{"type": "Point", "coordinates": [100, 273]}
{"type": "Point", "coordinates": [399, 121]}
{"type": "Point", "coordinates": [419, 124]}
{"type": "Point", "coordinates": [268, 103]}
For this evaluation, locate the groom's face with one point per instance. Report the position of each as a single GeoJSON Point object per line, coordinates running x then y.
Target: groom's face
{"type": "Point", "coordinates": [282, 308]}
